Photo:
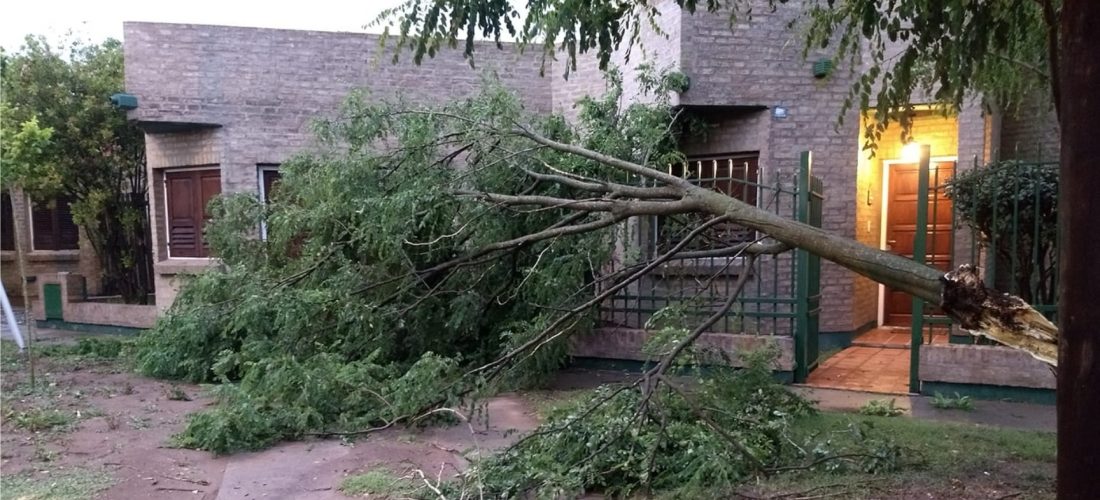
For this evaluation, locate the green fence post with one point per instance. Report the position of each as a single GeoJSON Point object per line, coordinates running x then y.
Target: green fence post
{"type": "Point", "coordinates": [802, 281]}
{"type": "Point", "coordinates": [919, 249]}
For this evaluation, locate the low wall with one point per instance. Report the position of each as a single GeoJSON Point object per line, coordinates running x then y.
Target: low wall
{"type": "Point", "coordinates": [626, 344]}
{"type": "Point", "coordinates": [74, 309]}
{"type": "Point", "coordinates": [983, 365]}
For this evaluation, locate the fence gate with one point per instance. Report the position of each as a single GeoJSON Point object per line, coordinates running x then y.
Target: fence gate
{"type": "Point", "coordinates": [1011, 237]}
{"type": "Point", "coordinates": [808, 273]}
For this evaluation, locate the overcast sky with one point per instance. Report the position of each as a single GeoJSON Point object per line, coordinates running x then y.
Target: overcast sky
{"type": "Point", "coordinates": [99, 19]}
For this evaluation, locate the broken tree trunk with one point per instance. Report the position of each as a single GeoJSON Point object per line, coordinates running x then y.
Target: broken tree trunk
{"type": "Point", "coordinates": [999, 316]}
{"type": "Point", "coordinates": [1004, 318]}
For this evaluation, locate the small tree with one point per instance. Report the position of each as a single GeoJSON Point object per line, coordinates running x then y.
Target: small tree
{"type": "Point", "coordinates": [94, 155]}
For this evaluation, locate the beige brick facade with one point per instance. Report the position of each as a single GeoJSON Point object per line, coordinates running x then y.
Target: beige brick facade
{"type": "Point", "coordinates": [238, 97]}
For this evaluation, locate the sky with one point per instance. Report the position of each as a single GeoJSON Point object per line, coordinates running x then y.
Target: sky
{"type": "Point", "coordinates": [97, 20]}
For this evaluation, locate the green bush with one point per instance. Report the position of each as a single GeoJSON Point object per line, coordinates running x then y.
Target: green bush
{"type": "Point", "coordinates": [952, 403]}
{"type": "Point", "coordinates": [1013, 208]}
{"type": "Point", "coordinates": [880, 408]}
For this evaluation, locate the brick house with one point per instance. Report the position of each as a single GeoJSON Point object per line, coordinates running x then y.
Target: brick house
{"type": "Point", "coordinates": [52, 243]}
{"type": "Point", "coordinates": [222, 107]}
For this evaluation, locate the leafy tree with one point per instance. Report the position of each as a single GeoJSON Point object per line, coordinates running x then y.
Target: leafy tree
{"type": "Point", "coordinates": [92, 154]}
{"type": "Point", "coordinates": [952, 49]}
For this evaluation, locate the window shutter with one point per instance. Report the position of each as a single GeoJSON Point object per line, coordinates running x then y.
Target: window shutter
{"type": "Point", "coordinates": [211, 186]}
{"type": "Point", "coordinates": [66, 232]}
{"type": "Point", "coordinates": [42, 225]}
{"type": "Point", "coordinates": [7, 223]}
{"type": "Point", "coordinates": [188, 193]}
{"type": "Point", "coordinates": [183, 226]}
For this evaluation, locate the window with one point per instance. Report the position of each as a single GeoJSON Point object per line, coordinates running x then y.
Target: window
{"type": "Point", "coordinates": [269, 178]}
{"type": "Point", "coordinates": [52, 226]}
{"type": "Point", "coordinates": [737, 175]}
{"type": "Point", "coordinates": [268, 175]}
{"type": "Point", "coordinates": [187, 194]}
{"type": "Point", "coordinates": [7, 223]}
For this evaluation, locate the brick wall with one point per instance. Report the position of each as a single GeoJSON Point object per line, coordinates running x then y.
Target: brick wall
{"type": "Point", "coordinates": [1030, 131]}
{"type": "Point", "coordinates": [245, 96]}
{"type": "Point", "coordinates": [759, 63]}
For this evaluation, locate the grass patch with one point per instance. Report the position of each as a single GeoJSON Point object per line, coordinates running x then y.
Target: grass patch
{"type": "Point", "coordinates": [547, 402]}
{"type": "Point", "coordinates": [43, 419]}
{"type": "Point", "coordinates": [377, 482]}
{"type": "Point", "coordinates": [935, 457]}
{"type": "Point", "coordinates": [72, 484]}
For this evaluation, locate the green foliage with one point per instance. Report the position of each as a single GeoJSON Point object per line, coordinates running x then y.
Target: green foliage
{"type": "Point", "coordinates": [352, 312]}
{"type": "Point", "coordinates": [679, 445]}
{"type": "Point", "coordinates": [948, 50]}
{"type": "Point", "coordinates": [90, 348]}
{"type": "Point", "coordinates": [71, 141]}
{"type": "Point", "coordinates": [42, 419]}
{"type": "Point", "coordinates": [997, 49]}
{"type": "Point", "coordinates": [1013, 208]}
{"type": "Point", "coordinates": [380, 483]}
{"type": "Point", "coordinates": [952, 403]}
{"type": "Point", "coordinates": [881, 408]}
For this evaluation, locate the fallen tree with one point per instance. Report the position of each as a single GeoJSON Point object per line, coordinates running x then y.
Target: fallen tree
{"type": "Point", "coordinates": [423, 255]}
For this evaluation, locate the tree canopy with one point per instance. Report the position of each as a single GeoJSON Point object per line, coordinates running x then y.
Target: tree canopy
{"type": "Point", "coordinates": [84, 148]}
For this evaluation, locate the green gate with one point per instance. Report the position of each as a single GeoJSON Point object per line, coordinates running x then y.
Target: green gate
{"type": "Point", "coordinates": [1018, 256]}
{"type": "Point", "coordinates": [782, 297]}
{"type": "Point", "coordinates": [808, 273]}
{"type": "Point", "coordinates": [51, 298]}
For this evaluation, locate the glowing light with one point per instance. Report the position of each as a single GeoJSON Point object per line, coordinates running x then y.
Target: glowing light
{"type": "Point", "coordinates": [911, 152]}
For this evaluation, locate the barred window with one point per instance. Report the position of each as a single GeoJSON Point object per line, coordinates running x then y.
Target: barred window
{"type": "Point", "coordinates": [736, 175]}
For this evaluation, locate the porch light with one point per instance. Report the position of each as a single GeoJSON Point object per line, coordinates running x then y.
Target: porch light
{"type": "Point", "coordinates": [911, 152]}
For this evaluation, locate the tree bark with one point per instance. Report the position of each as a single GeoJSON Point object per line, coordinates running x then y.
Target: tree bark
{"type": "Point", "coordinates": [1079, 239]}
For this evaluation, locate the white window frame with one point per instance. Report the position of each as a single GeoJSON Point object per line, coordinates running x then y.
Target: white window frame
{"type": "Point", "coordinates": [260, 169]}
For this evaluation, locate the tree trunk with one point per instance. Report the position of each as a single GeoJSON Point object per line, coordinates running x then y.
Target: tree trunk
{"type": "Point", "coordinates": [1079, 235]}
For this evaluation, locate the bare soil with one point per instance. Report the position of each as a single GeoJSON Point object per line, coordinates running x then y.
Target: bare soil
{"type": "Point", "coordinates": [120, 424]}
{"type": "Point", "coordinates": [117, 425]}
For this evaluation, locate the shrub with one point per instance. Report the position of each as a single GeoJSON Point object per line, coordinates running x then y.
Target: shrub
{"type": "Point", "coordinates": [880, 408]}
{"type": "Point", "coordinates": [952, 403]}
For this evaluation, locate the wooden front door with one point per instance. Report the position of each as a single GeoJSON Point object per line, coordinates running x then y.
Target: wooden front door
{"type": "Point", "coordinates": [901, 227]}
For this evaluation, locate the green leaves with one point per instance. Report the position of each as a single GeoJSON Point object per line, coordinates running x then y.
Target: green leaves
{"type": "Point", "coordinates": [27, 157]}
{"type": "Point", "coordinates": [353, 311]}
{"type": "Point", "coordinates": [62, 136]}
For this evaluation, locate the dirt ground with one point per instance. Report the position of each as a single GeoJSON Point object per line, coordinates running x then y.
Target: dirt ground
{"type": "Point", "coordinates": [118, 424]}
{"type": "Point", "coordinates": [91, 429]}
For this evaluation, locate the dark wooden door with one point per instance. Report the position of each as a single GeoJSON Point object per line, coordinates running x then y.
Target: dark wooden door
{"type": "Point", "coordinates": [901, 227]}
{"type": "Point", "coordinates": [188, 193]}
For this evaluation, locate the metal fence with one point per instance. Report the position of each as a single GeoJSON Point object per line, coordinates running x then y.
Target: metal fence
{"type": "Point", "coordinates": [1009, 230]}
{"type": "Point", "coordinates": [781, 296]}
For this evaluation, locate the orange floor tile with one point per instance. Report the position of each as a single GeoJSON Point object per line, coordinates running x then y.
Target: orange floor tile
{"type": "Point", "coordinates": [859, 368]}
{"type": "Point", "coordinates": [901, 337]}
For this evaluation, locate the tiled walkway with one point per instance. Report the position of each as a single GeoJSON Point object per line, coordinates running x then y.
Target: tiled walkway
{"type": "Point", "coordinates": [872, 369]}
{"type": "Point", "coordinates": [877, 361]}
